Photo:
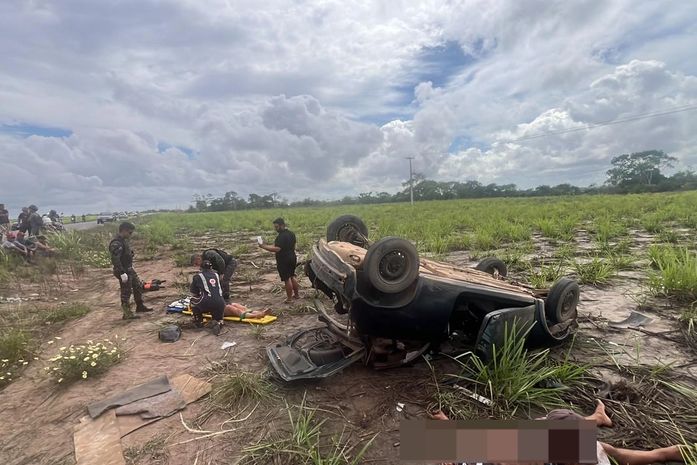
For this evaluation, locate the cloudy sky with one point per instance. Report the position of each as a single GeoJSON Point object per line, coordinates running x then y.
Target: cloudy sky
{"type": "Point", "coordinates": [133, 104]}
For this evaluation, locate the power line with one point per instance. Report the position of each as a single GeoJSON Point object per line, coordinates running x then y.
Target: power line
{"type": "Point", "coordinates": [411, 182]}
{"type": "Point", "coordinates": [608, 123]}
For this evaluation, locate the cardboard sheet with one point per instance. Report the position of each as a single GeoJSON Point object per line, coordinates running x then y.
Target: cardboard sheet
{"type": "Point", "coordinates": [189, 388]}
{"type": "Point", "coordinates": [98, 441]}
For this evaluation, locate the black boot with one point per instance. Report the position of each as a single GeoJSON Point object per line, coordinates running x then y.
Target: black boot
{"type": "Point", "coordinates": [141, 308]}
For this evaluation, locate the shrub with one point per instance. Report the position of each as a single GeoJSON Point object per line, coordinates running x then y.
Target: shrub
{"type": "Point", "coordinates": [83, 361]}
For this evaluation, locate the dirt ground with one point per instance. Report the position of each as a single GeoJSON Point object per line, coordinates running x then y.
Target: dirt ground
{"type": "Point", "coordinates": [38, 417]}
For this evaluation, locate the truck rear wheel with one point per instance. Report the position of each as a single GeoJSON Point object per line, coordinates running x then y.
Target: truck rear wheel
{"type": "Point", "coordinates": [391, 264]}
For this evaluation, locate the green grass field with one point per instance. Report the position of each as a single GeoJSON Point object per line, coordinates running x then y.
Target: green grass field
{"type": "Point", "coordinates": [439, 226]}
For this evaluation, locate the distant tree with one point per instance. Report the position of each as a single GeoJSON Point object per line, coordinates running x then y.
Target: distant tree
{"type": "Point", "coordinates": [639, 168]}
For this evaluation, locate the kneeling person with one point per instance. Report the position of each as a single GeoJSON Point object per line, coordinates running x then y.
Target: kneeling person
{"type": "Point", "coordinates": [222, 262]}
{"type": "Point", "coordinates": [207, 297]}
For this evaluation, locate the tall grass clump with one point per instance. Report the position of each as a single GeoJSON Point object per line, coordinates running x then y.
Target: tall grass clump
{"type": "Point", "coordinates": [305, 444]}
{"type": "Point", "coordinates": [595, 271]}
{"type": "Point", "coordinates": [14, 354]}
{"type": "Point", "coordinates": [518, 379]}
{"type": "Point", "coordinates": [230, 390]}
{"type": "Point", "coordinates": [86, 248]}
{"type": "Point", "coordinates": [65, 313]}
{"type": "Point", "coordinates": [544, 275]}
{"type": "Point", "coordinates": [676, 274]}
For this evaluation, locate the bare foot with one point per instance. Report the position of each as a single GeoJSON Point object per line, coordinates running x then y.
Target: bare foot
{"type": "Point", "coordinates": [438, 415]}
{"type": "Point", "coordinates": [600, 416]}
{"type": "Point", "coordinates": [266, 311]}
{"type": "Point", "coordinates": [296, 296]}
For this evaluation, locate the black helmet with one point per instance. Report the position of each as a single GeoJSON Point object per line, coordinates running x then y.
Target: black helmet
{"type": "Point", "coordinates": [33, 207]}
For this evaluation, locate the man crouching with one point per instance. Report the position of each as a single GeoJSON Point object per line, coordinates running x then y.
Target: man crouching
{"type": "Point", "coordinates": [207, 297]}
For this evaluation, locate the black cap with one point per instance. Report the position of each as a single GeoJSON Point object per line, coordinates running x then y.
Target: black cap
{"type": "Point", "coordinates": [280, 221]}
{"type": "Point", "coordinates": [33, 207]}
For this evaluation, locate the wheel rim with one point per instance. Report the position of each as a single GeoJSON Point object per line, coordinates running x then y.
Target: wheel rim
{"type": "Point", "coordinates": [393, 266]}
{"type": "Point", "coordinates": [568, 305]}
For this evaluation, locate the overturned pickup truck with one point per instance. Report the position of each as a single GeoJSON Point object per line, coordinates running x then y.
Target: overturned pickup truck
{"type": "Point", "coordinates": [390, 307]}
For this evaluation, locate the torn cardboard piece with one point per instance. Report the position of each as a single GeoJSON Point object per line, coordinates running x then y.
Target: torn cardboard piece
{"type": "Point", "coordinates": [152, 388]}
{"type": "Point", "coordinates": [160, 406]}
{"type": "Point", "coordinates": [98, 442]}
{"type": "Point", "coordinates": [189, 388]}
{"type": "Point", "coordinates": [634, 320]}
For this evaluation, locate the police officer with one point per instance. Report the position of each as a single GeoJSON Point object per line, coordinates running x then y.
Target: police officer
{"type": "Point", "coordinates": [23, 220]}
{"type": "Point", "coordinates": [122, 260]}
{"type": "Point", "coordinates": [222, 262]}
{"type": "Point", "coordinates": [4, 219]}
{"type": "Point", "coordinates": [35, 221]}
{"type": "Point", "coordinates": [207, 297]}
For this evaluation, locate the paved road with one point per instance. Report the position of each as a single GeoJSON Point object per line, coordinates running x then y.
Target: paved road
{"type": "Point", "coordinates": [82, 226]}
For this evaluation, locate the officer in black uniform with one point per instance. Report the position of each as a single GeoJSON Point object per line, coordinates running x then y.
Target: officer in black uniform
{"type": "Point", "coordinates": [222, 262]}
{"type": "Point", "coordinates": [4, 219]}
{"type": "Point", "coordinates": [23, 220]}
{"type": "Point", "coordinates": [122, 259]}
{"type": "Point", "coordinates": [35, 221]}
{"type": "Point", "coordinates": [207, 297]}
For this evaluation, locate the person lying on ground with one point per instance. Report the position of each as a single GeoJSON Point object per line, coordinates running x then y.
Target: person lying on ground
{"type": "Point", "coordinates": [39, 244]}
{"type": "Point", "coordinates": [12, 245]}
{"type": "Point", "coordinates": [620, 455]}
{"type": "Point", "coordinates": [223, 263]}
{"type": "Point", "coordinates": [243, 312]}
{"type": "Point", "coordinates": [207, 297]}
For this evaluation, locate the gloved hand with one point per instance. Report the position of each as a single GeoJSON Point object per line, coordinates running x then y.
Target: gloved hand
{"type": "Point", "coordinates": [124, 278]}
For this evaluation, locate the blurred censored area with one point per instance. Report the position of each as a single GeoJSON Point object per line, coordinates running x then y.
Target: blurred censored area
{"type": "Point", "coordinates": [496, 441]}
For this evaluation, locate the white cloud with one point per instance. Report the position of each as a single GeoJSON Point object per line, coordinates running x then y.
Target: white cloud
{"type": "Point", "coordinates": [327, 99]}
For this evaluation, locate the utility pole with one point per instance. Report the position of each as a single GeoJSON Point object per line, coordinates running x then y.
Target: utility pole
{"type": "Point", "coordinates": [411, 180]}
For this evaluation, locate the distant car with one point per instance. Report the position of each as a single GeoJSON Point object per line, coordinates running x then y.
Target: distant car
{"type": "Point", "coordinates": [391, 306]}
{"type": "Point", "coordinates": [106, 217]}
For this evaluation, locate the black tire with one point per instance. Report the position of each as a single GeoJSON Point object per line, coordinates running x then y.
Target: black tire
{"type": "Point", "coordinates": [348, 228]}
{"type": "Point", "coordinates": [391, 265]}
{"type": "Point", "coordinates": [99, 221]}
{"type": "Point", "coordinates": [562, 300]}
{"type": "Point", "coordinates": [492, 265]}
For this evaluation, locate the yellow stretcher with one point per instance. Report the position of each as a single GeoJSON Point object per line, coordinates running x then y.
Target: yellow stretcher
{"type": "Point", "coordinates": [265, 320]}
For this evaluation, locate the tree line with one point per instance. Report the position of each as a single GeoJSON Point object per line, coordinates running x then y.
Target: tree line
{"type": "Point", "coordinates": [637, 172]}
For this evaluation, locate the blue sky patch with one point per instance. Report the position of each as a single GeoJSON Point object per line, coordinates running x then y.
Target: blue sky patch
{"type": "Point", "coordinates": [26, 130]}
{"type": "Point", "coordinates": [465, 142]}
{"type": "Point", "coordinates": [437, 65]}
{"type": "Point", "coordinates": [162, 146]}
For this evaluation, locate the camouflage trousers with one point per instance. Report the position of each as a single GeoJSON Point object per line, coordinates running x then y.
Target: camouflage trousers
{"type": "Point", "coordinates": [132, 286]}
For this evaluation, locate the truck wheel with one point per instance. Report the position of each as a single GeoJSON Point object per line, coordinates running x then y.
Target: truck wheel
{"type": "Point", "coordinates": [391, 264]}
{"type": "Point", "coordinates": [493, 266]}
{"type": "Point", "coordinates": [561, 302]}
{"type": "Point", "coordinates": [348, 228]}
